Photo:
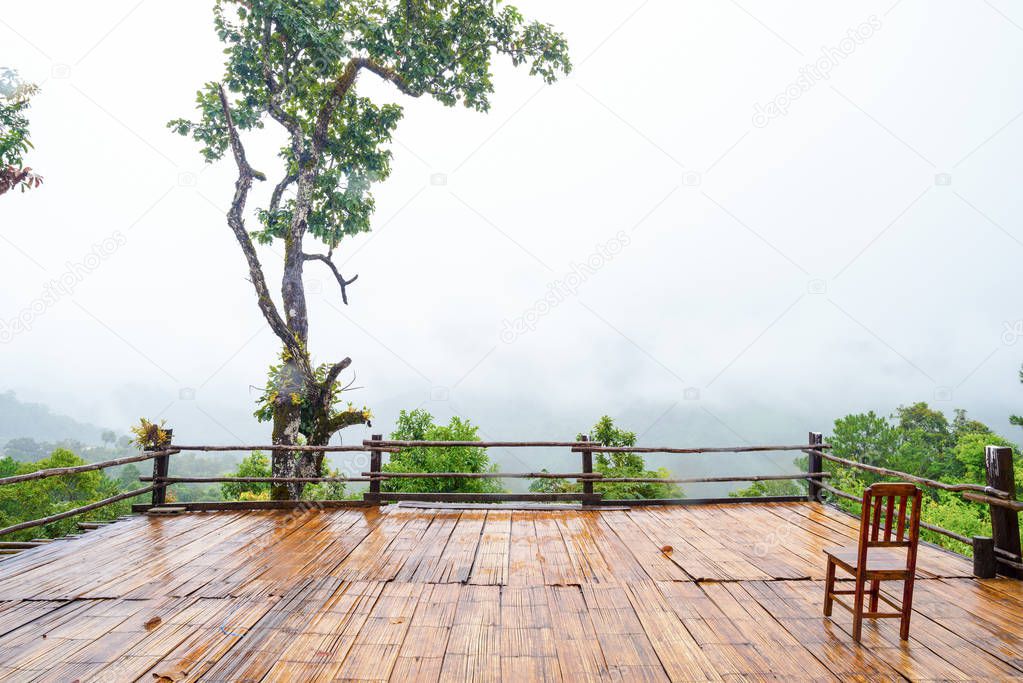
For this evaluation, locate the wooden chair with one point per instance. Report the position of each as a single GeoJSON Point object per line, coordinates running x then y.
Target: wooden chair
{"type": "Point", "coordinates": [877, 558]}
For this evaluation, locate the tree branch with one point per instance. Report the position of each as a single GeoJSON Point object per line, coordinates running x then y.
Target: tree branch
{"type": "Point", "coordinates": [274, 88]}
{"type": "Point", "coordinates": [278, 193]}
{"type": "Point", "coordinates": [347, 419]}
{"type": "Point", "coordinates": [336, 370]}
{"type": "Point", "coordinates": [236, 221]}
{"type": "Point", "coordinates": [388, 75]}
{"type": "Point", "coordinates": [341, 87]}
{"type": "Point", "coordinates": [337, 274]}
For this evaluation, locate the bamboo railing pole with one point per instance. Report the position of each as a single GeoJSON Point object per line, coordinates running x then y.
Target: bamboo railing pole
{"type": "Point", "coordinates": [253, 480]}
{"type": "Point", "coordinates": [63, 471]}
{"type": "Point", "coordinates": [595, 476]}
{"type": "Point", "coordinates": [76, 511]}
{"type": "Point", "coordinates": [958, 488]}
{"type": "Point", "coordinates": [271, 447]}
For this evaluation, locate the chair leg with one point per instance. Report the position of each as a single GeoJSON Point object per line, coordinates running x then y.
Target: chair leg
{"type": "Point", "coordinates": [829, 587]}
{"type": "Point", "coordinates": [858, 609]}
{"type": "Point", "coordinates": [875, 592]}
{"type": "Point", "coordinates": [907, 608]}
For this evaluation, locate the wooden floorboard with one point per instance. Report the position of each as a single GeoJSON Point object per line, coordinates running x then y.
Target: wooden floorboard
{"type": "Point", "coordinates": [722, 592]}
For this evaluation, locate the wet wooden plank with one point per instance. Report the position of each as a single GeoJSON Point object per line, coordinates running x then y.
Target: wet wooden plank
{"type": "Point", "coordinates": [422, 652]}
{"type": "Point", "coordinates": [624, 643]}
{"type": "Point", "coordinates": [527, 643]}
{"type": "Point", "coordinates": [575, 639]}
{"type": "Point", "coordinates": [456, 561]}
{"type": "Point", "coordinates": [492, 553]}
{"type": "Point", "coordinates": [472, 652]}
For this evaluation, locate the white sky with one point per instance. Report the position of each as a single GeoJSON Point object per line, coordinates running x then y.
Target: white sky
{"type": "Point", "coordinates": [785, 275]}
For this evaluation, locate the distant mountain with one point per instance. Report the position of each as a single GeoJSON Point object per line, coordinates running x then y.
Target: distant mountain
{"type": "Point", "coordinates": [36, 421]}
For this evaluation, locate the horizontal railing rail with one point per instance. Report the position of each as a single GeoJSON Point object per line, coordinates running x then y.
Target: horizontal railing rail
{"type": "Point", "coordinates": [76, 511]}
{"type": "Point", "coordinates": [596, 476]}
{"type": "Point", "coordinates": [283, 447]}
{"type": "Point", "coordinates": [76, 469]}
{"type": "Point", "coordinates": [255, 480]}
{"type": "Point", "coordinates": [715, 480]}
{"type": "Point", "coordinates": [956, 488]}
{"type": "Point", "coordinates": [576, 446]}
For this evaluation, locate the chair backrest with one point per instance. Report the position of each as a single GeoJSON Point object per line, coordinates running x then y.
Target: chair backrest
{"type": "Point", "coordinates": [885, 521]}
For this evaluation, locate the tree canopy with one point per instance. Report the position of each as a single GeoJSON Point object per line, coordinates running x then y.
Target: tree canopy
{"type": "Point", "coordinates": [616, 466]}
{"type": "Point", "coordinates": [296, 64]}
{"type": "Point", "coordinates": [418, 425]}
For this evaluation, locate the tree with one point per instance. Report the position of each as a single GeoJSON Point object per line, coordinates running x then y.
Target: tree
{"type": "Point", "coordinates": [418, 425]}
{"type": "Point", "coordinates": [864, 437]}
{"type": "Point", "coordinates": [296, 64]}
{"type": "Point", "coordinates": [128, 477]}
{"type": "Point", "coordinates": [256, 464]}
{"type": "Point", "coordinates": [26, 449]}
{"type": "Point", "coordinates": [15, 97]}
{"type": "Point", "coordinates": [617, 466]}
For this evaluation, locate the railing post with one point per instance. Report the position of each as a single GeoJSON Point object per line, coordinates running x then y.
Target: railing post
{"type": "Point", "coordinates": [161, 466]}
{"type": "Point", "coordinates": [815, 466]}
{"type": "Point", "coordinates": [587, 458]}
{"type": "Point", "coordinates": [375, 463]}
{"type": "Point", "coordinates": [985, 566]}
{"type": "Point", "coordinates": [1004, 522]}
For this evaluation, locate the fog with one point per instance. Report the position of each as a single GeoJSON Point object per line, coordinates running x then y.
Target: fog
{"type": "Point", "coordinates": [734, 222]}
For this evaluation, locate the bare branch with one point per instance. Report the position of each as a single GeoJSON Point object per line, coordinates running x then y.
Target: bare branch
{"type": "Point", "coordinates": [337, 274]}
{"type": "Point", "coordinates": [278, 193]}
{"type": "Point", "coordinates": [335, 370]}
{"type": "Point", "coordinates": [388, 75]}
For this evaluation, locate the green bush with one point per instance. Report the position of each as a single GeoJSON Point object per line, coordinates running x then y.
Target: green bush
{"type": "Point", "coordinates": [418, 425]}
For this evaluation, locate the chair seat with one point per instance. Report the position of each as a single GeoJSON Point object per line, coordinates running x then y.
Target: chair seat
{"type": "Point", "coordinates": [890, 562]}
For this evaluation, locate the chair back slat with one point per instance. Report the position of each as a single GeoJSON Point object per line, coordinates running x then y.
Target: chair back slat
{"type": "Point", "coordinates": [902, 519]}
{"type": "Point", "coordinates": [889, 508]}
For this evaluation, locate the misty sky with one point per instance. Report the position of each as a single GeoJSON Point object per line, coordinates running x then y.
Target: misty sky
{"type": "Point", "coordinates": [754, 218]}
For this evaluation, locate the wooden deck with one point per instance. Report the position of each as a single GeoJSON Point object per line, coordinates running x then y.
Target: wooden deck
{"type": "Point", "coordinates": [441, 594]}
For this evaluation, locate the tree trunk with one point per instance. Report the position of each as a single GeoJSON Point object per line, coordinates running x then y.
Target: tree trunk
{"type": "Point", "coordinates": [287, 423]}
{"type": "Point", "coordinates": [288, 426]}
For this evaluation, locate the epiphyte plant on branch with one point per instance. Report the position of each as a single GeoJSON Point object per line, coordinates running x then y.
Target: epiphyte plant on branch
{"type": "Point", "coordinates": [296, 64]}
{"type": "Point", "coordinates": [15, 97]}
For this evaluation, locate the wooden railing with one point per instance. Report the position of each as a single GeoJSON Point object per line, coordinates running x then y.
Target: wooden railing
{"type": "Point", "coordinates": [997, 554]}
{"type": "Point", "coordinates": [586, 476]}
{"type": "Point", "coordinates": [992, 555]}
